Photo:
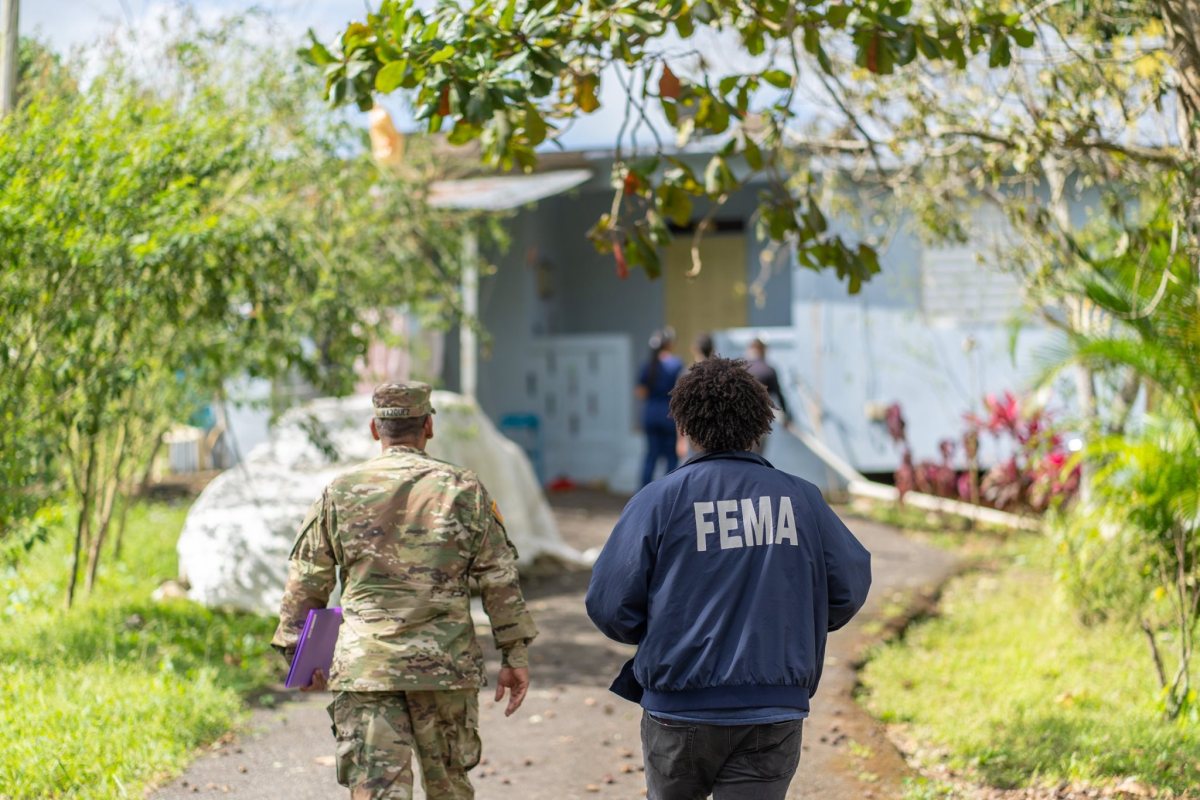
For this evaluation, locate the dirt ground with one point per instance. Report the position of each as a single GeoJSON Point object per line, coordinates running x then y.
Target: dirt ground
{"type": "Point", "coordinates": [572, 738]}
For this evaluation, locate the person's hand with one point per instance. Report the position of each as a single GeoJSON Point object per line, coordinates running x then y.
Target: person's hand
{"type": "Point", "coordinates": [317, 684]}
{"type": "Point", "coordinates": [515, 679]}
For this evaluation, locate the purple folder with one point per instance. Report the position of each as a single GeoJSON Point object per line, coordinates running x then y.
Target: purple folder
{"type": "Point", "coordinates": [315, 650]}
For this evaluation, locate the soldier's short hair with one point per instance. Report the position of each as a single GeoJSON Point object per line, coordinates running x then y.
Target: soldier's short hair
{"type": "Point", "coordinates": [400, 428]}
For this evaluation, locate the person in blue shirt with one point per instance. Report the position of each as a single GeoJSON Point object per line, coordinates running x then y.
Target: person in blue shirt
{"type": "Point", "coordinates": [728, 575]}
{"type": "Point", "coordinates": [655, 382]}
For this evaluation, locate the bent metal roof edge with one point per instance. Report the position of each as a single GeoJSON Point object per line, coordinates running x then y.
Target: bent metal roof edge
{"type": "Point", "coordinates": [504, 192]}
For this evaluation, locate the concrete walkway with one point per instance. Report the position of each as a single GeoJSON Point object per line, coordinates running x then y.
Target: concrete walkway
{"type": "Point", "coordinates": [572, 739]}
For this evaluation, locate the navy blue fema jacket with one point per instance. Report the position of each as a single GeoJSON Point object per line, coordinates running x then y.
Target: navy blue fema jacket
{"type": "Point", "coordinates": [727, 574]}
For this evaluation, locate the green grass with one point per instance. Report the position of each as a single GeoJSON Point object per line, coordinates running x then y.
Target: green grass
{"type": "Point", "coordinates": [98, 701]}
{"type": "Point", "coordinates": [947, 531]}
{"type": "Point", "coordinates": [1010, 688]}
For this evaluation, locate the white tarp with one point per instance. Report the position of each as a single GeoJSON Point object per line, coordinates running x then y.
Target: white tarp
{"type": "Point", "coordinates": [239, 532]}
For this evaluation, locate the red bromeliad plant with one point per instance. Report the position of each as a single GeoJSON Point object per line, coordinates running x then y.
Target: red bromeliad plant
{"type": "Point", "coordinates": [1032, 477]}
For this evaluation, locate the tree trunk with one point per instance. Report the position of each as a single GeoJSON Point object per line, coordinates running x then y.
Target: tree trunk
{"type": "Point", "coordinates": [1077, 307]}
{"type": "Point", "coordinates": [1182, 21]}
{"type": "Point", "coordinates": [112, 488]}
{"type": "Point", "coordinates": [1182, 688]}
{"type": "Point", "coordinates": [82, 525]}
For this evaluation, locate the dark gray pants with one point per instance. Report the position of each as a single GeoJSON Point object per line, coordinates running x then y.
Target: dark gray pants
{"type": "Point", "coordinates": [690, 761]}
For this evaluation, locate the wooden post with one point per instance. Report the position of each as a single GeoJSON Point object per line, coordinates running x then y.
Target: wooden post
{"type": "Point", "coordinates": [9, 42]}
{"type": "Point", "coordinates": [468, 358]}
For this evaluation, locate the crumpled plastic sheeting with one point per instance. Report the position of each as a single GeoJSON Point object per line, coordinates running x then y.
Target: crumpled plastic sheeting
{"type": "Point", "coordinates": [238, 534]}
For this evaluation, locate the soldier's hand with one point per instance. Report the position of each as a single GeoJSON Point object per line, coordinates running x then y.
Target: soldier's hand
{"type": "Point", "coordinates": [317, 684]}
{"type": "Point", "coordinates": [515, 679]}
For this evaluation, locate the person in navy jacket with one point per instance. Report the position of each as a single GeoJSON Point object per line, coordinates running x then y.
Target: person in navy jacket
{"type": "Point", "coordinates": [727, 574]}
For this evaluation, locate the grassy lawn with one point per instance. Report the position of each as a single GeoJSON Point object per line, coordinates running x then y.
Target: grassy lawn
{"type": "Point", "coordinates": [97, 701]}
{"type": "Point", "coordinates": [1007, 687]}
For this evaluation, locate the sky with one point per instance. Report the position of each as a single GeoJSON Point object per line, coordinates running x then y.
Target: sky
{"type": "Point", "coordinates": [70, 24]}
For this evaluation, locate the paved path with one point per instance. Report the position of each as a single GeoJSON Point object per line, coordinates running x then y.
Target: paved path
{"type": "Point", "coordinates": [572, 739]}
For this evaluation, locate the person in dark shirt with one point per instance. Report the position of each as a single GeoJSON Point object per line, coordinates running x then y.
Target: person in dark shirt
{"type": "Point", "coordinates": [727, 574]}
{"type": "Point", "coordinates": [756, 365]}
{"type": "Point", "coordinates": [655, 383]}
{"type": "Point", "coordinates": [702, 348]}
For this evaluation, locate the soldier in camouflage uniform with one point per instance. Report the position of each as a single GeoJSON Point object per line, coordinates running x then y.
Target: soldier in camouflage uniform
{"type": "Point", "coordinates": [408, 532]}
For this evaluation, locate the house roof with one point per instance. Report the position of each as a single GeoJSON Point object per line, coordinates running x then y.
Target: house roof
{"type": "Point", "coordinates": [504, 192]}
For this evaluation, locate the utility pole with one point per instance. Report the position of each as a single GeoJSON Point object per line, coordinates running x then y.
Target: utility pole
{"type": "Point", "coordinates": [9, 38]}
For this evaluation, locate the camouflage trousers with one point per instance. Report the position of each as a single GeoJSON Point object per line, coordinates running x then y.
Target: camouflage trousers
{"type": "Point", "coordinates": [377, 733]}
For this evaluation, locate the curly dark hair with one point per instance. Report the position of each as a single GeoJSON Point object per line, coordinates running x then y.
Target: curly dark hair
{"type": "Point", "coordinates": [720, 406]}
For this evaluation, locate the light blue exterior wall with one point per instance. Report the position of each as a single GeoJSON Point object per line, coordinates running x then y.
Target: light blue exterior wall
{"type": "Point", "coordinates": [506, 311]}
{"type": "Point", "coordinates": [839, 355]}
{"type": "Point", "coordinates": [840, 362]}
{"type": "Point", "coordinates": [551, 281]}
{"type": "Point", "coordinates": [588, 297]}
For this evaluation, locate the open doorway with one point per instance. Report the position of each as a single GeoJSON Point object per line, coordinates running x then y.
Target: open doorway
{"type": "Point", "coordinates": [713, 300]}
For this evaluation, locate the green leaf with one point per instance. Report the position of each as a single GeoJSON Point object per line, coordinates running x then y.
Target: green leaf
{"type": "Point", "coordinates": [670, 111]}
{"type": "Point", "coordinates": [906, 48]}
{"type": "Point", "coordinates": [718, 178]}
{"type": "Point", "coordinates": [777, 78]}
{"type": "Point", "coordinates": [823, 61]}
{"type": "Point", "coordinates": [1023, 37]}
{"type": "Point", "coordinates": [713, 114]}
{"type": "Point", "coordinates": [462, 133]}
{"type": "Point", "coordinates": [683, 24]}
{"type": "Point", "coordinates": [999, 55]}
{"type": "Point", "coordinates": [927, 45]}
{"type": "Point", "coordinates": [513, 63]}
{"type": "Point", "coordinates": [755, 41]}
{"type": "Point", "coordinates": [752, 153]}
{"type": "Point", "coordinates": [836, 16]}
{"type": "Point", "coordinates": [318, 54]}
{"type": "Point", "coordinates": [953, 49]}
{"type": "Point", "coordinates": [535, 126]}
{"type": "Point", "coordinates": [587, 88]}
{"type": "Point", "coordinates": [445, 54]}
{"type": "Point", "coordinates": [388, 79]}
{"type": "Point", "coordinates": [341, 90]}
{"type": "Point", "coordinates": [642, 253]}
{"type": "Point", "coordinates": [812, 39]}
{"type": "Point", "coordinates": [508, 16]}
{"type": "Point", "coordinates": [814, 219]}
{"type": "Point", "coordinates": [675, 203]}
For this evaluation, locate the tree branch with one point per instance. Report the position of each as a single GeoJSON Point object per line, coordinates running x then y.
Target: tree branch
{"type": "Point", "coordinates": [1168, 157]}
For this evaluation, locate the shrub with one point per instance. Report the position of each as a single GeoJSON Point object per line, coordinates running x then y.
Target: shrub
{"type": "Point", "coordinates": [1036, 475]}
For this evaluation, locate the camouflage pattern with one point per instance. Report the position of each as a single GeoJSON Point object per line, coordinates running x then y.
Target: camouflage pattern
{"type": "Point", "coordinates": [378, 731]}
{"type": "Point", "coordinates": [392, 400]}
{"type": "Point", "coordinates": [408, 532]}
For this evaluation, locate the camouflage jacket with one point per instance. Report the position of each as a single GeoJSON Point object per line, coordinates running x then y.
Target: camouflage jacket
{"type": "Point", "coordinates": [408, 532]}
